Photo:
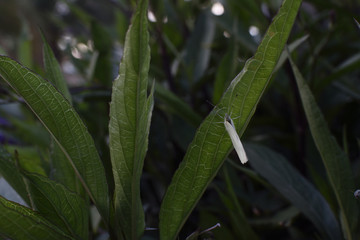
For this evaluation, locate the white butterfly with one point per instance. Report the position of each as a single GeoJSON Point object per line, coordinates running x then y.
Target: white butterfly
{"type": "Point", "coordinates": [230, 128]}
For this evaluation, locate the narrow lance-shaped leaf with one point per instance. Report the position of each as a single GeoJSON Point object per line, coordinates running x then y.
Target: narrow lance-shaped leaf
{"type": "Point", "coordinates": [130, 113]}
{"type": "Point", "coordinates": [336, 163]}
{"type": "Point", "coordinates": [294, 187]}
{"type": "Point", "coordinates": [65, 126]}
{"type": "Point", "coordinates": [53, 70]}
{"type": "Point", "coordinates": [61, 169]}
{"type": "Point", "coordinates": [59, 205]}
{"type": "Point", "coordinates": [19, 222]}
{"type": "Point", "coordinates": [211, 143]}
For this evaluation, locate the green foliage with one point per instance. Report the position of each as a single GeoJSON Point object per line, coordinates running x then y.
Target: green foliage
{"type": "Point", "coordinates": [157, 162]}
{"type": "Point", "coordinates": [289, 182]}
{"type": "Point", "coordinates": [33, 225]}
{"type": "Point", "coordinates": [211, 143]}
{"type": "Point", "coordinates": [65, 126]}
{"type": "Point", "coordinates": [59, 205]}
{"type": "Point", "coordinates": [130, 115]}
{"type": "Point", "coordinates": [335, 161]}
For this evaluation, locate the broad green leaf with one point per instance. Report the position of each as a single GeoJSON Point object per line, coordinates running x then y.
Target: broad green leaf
{"type": "Point", "coordinates": [65, 126]}
{"type": "Point", "coordinates": [130, 114]}
{"type": "Point", "coordinates": [65, 209]}
{"type": "Point", "coordinates": [336, 163]}
{"type": "Point", "coordinates": [61, 169]}
{"type": "Point", "coordinates": [19, 222]}
{"type": "Point", "coordinates": [12, 175]}
{"type": "Point", "coordinates": [211, 143]}
{"type": "Point", "coordinates": [294, 187]}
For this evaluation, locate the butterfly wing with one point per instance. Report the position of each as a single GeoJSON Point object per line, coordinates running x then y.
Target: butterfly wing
{"type": "Point", "coordinates": [230, 128]}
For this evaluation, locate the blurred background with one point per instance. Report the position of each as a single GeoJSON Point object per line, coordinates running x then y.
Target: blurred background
{"type": "Point", "coordinates": [197, 48]}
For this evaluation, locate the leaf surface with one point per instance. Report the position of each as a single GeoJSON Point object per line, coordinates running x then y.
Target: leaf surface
{"type": "Point", "coordinates": [336, 163]}
{"type": "Point", "coordinates": [61, 169]}
{"type": "Point", "coordinates": [294, 187]}
{"type": "Point", "coordinates": [130, 114]}
{"type": "Point", "coordinates": [19, 222]}
{"type": "Point", "coordinates": [53, 70]}
{"type": "Point", "coordinates": [211, 143]}
{"type": "Point", "coordinates": [65, 126]}
{"type": "Point", "coordinates": [60, 206]}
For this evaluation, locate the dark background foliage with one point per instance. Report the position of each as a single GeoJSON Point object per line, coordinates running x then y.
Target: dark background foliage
{"type": "Point", "coordinates": [194, 56]}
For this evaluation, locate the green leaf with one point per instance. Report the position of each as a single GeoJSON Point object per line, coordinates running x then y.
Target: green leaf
{"type": "Point", "coordinates": [336, 163]}
{"type": "Point", "coordinates": [29, 159]}
{"type": "Point", "coordinates": [12, 175]}
{"type": "Point", "coordinates": [18, 223]}
{"type": "Point", "coordinates": [65, 126]}
{"type": "Point", "coordinates": [130, 114]}
{"type": "Point", "coordinates": [211, 143]}
{"type": "Point", "coordinates": [53, 70]}
{"type": "Point", "coordinates": [61, 169]}
{"type": "Point", "coordinates": [294, 187]}
{"type": "Point", "coordinates": [65, 209]}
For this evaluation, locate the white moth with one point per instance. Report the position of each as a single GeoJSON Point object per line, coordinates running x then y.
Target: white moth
{"type": "Point", "coordinates": [230, 128]}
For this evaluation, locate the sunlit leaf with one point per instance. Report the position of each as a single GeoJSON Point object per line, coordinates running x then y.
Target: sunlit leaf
{"type": "Point", "coordinates": [19, 222]}
{"type": "Point", "coordinates": [211, 143]}
{"type": "Point", "coordinates": [61, 169]}
{"type": "Point", "coordinates": [65, 126]}
{"type": "Point", "coordinates": [60, 206]}
{"type": "Point", "coordinates": [130, 114]}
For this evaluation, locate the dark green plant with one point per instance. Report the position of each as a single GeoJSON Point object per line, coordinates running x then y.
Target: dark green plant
{"type": "Point", "coordinates": [69, 173]}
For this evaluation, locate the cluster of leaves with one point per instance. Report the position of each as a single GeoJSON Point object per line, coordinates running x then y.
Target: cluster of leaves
{"type": "Point", "coordinates": [142, 164]}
